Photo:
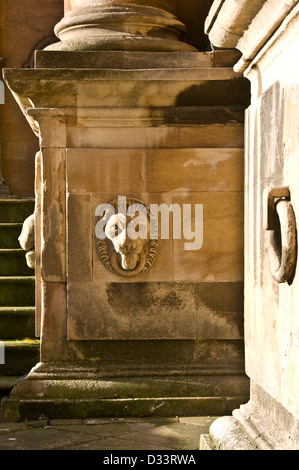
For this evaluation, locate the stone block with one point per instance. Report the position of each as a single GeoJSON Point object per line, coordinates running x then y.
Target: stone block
{"type": "Point", "coordinates": [177, 87]}
{"type": "Point", "coordinates": [53, 229]}
{"type": "Point", "coordinates": [103, 408]}
{"type": "Point", "coordinates": [53, 324]}
{"type": "Point", "coordinates": [179, 406]}
{"type": "Point", "coordinates": [205, 136]}
{"type": "Point", "coordinates": [121, 59]}
{"type": "Point", "coordinates": [130, 311]}
{"type": "Point", "coordinates": [160, 170]}
{"type": "Point", "coordinates": [221, 255]}
{"type": "Point", "coordinates": [159, 116]}
{"type": "Point", "coordinates": [121, 137]}
{"type": "Point", "coordinates": [80, 238]}
{"type": "Point", "coordinates": [142, 386]}
{"type": "Point", "coordinates": [52, 129]}
{"type": "Point", "coordinates": [154, 310]}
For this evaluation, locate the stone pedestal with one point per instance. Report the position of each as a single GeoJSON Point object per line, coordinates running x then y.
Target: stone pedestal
{"type": "Point", "coordinates": [158, 332]}
{"type": "Point", "coordinates": [270, 419]}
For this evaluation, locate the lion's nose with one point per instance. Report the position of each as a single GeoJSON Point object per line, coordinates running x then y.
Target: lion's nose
{"type": "Point", "coordinates": [126, 244]}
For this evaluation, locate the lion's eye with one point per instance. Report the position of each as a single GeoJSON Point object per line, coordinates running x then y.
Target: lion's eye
{"type": "Point", "coordinates": [114, 230]}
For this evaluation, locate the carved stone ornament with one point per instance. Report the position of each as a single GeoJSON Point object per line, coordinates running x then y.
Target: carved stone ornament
{"type": "Point", "coordinates": [126, 236]}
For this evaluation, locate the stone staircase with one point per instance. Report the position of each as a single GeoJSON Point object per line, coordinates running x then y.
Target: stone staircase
{"type": "Point", "coordinates": [17, 296]}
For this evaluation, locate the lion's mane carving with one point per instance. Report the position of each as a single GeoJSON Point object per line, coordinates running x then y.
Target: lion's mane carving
{"type": "Point", "coordinates": [119, 253]}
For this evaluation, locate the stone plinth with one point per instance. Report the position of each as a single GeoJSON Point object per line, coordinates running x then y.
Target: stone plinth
{"type": "Point", "coordinates": [160, 332]}
{"type": "Point", "coordinates": [270, 419]}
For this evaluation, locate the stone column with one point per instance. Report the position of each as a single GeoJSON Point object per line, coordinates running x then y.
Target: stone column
{"type": "Point", "coordinates": [3, 187]}
{"type": "Point", "coordinates": [137, 25]}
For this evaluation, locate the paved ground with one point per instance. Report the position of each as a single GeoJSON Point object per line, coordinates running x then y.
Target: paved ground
{"type": "Point", "coordinates": [105, 434]}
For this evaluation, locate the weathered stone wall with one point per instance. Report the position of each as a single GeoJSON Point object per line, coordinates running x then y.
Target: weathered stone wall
{"type": "Point", "coordinates": [271, 307]}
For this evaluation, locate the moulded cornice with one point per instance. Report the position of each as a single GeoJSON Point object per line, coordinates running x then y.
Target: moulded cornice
{"type": "Point", "coordinates": [246, 25]}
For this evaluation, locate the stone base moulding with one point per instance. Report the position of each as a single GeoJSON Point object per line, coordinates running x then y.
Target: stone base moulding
{"type": "Point", "coordinates": [80, 391]}
{"type": "Point", "coordinates": [256, 425]}
{"type": "Point", "coordinates": [226, 434]}
{"type": "Point", "coordinates": [19, 410]}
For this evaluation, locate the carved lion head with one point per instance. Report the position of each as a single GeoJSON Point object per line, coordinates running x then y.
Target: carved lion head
{"type": "Point", "coordinates": [127, 248]}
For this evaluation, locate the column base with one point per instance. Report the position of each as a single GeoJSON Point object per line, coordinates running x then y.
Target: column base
{"type": "Point", "coordinates": [79, 392]}
{"type": "Point", "coordinates": [14, 410]}
{"type": "Point", "coordinates": [261, 424]}
{"type": "Point", "coordinates": [226, 434]}
{"type": "Point", "coordinates": [120, 27]}
{"type": "Point", "coordinates": [121, 42]}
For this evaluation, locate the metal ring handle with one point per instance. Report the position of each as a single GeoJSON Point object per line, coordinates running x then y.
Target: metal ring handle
{"type": "Point", "coordinates": [284, 243]}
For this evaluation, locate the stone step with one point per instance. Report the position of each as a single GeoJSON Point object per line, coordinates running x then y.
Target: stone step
{"type": "Point", "coordinates": [17, 323]}
{"type": "Point", "coordinates": [19, 357]}
{"type": "Point", "coordinates": [17, 296]}
{"type": "Point", "coordinates": [13, 263]}
{"type": "Point", "coordinates": [15, 210]}
{"type": "Point", "coordinates": [15, 408]}
{"type": "Point", "coordinates": [17, 291]}
{"type": "Point", "coordinates": [7, 382]}
{"type": "Point", "coordinates": [9, 233]}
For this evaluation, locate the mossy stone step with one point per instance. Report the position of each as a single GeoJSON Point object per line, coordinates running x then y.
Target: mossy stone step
{"type": "Point", "coordinates": [17, 295]}
{"type": "Point", "coordinates": [17, 323]}
{"type": "Point", "coordinates": [13, 263]}
{"type": "Point", "coordinates": [9, 234]}
{"type": "Point", "coordinates": [20, 356]}
{"type": "Point", "coordinates": [15, 210]}
{"type": "Point", "coordinates": [7, 382]}
{"type": "Point", "coordinates": [17, 291]}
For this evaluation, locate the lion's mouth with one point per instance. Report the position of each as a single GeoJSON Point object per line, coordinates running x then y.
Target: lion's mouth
{"type": "Point", "coordinates": [130, 264]}
{"type": "Point", "coordinates": [129, 261]}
